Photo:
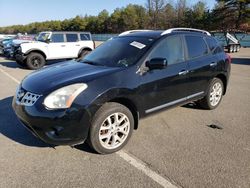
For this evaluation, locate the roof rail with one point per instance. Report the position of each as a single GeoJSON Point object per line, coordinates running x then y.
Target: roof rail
{"type": "Point", "coordinates": [184, 29]}
{"type": "Point", "coordinates": [132, 31]}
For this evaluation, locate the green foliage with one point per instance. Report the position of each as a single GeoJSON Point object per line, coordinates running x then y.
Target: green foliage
{"type": "Point", "coordinates": [157, 14]}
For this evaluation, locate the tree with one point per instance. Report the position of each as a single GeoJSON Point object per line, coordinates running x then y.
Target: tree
{"type": "Point", "coordinates": [232, 11]}
{"type": "Point", "coordinates": [155, 10]}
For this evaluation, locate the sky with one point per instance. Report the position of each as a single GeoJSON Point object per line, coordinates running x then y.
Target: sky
{"type": "Point", "coordinates": [14, 12]}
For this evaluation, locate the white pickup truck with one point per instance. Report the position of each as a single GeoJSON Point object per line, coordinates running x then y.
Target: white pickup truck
{"type": "Point", "coordinates": [53, 45]}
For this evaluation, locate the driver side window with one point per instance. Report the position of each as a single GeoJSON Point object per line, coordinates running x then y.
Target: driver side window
{"type": "Point", "coordinates": [170, 48]}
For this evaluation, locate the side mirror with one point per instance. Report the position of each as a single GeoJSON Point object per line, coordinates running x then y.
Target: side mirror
{"type": "Point", "coordinates": [47, 40]}
{"type": "Point", "coordinates": [157, 63]}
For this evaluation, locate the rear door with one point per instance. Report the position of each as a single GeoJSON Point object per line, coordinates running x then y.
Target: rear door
{"type": "Point", "coordinates": [165, 87]}
{"type": "Point", "coordinates": [202, 65]}
{"type": "Point", "coordinates": [73, 44]}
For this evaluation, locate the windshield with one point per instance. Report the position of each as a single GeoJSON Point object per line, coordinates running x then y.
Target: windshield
{"type": "Point", "coordinates": [120, 51]}
{"type": "Point", "coordinates": [43, 37]}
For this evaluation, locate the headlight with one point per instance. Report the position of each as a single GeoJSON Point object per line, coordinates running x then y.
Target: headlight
{"type": "Point", "coordinates": [64, 97]}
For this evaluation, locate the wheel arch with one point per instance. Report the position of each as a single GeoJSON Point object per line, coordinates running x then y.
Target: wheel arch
{"type": "Point", "coordinates": [36, 51]}
{"type": "Point", "coordinates": [131, 106]}
{"type": "Point", "coordinates": [84, 48]}
{"type": "Point", "coordinates": [223, 78]}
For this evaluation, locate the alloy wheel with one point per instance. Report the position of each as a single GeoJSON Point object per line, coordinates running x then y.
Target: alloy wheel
{"type": "Point", "coordinates": [114, 130]}
{"type": "Point", "coordinates": [215, 94]}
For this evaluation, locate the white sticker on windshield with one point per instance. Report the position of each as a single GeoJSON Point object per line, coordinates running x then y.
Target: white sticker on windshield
{"type": "Point", "coordinates": [138, 45]}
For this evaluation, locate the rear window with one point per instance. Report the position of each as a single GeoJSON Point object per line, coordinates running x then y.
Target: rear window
{"type": "Point", "coordinates": [85, 36]}
{"type": "Point", "coordinates": [196, 46]}
{"type": "Point", "coordinates": [71, 37]}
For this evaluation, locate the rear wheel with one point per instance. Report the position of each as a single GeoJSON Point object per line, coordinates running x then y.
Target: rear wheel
{"type": "Point", "coordinates": [238, 48]}
{"type": "Point", "coordinates": [235, 48]}
{"type": "Point", "coordinates": [111, 128]}
{"type": "Point", "coordinates": [230, 49]}
{"type": "Point", "coordinates": [214, 95]}
{"type": "Point", "coordinates": [35, 61]}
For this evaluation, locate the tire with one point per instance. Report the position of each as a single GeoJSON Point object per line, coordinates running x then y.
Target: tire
{"type": "Point", "coordinates": [235, 48]}
{"type": "Point", "coordinates": [35, 61]}
{"type": "Point", "coordinates": [238, 48]}
{"type": "Point", "coordinates": [230, 49]}
{"type": "Point", "coordinates": [211, 102]}
{"type": "Point", "coordinates": [83, 54]}
{"type": "Point", "coordinates": [101, 140]}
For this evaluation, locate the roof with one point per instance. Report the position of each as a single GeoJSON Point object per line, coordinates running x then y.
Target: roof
{"type": "Point", "coordinates": [154, 34]}
{"type": "Point", "coordinates": [158, 33]}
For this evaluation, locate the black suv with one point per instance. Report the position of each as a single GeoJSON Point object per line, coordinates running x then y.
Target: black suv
{"type": "Point", "coordinates": [102, 97]}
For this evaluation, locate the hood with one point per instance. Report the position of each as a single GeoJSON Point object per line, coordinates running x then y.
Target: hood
{"type": "Point", "coordinates": [20, 41]}
{"type": "Point", "coordinates": [62, 74]}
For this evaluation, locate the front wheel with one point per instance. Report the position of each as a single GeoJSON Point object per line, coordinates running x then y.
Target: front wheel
{"type": "Point", "coordinates": [214, 95]}
{"type": "Point", "coordinates": [111, 128]}
{"type": "Point", "coordinates": [35, 61]}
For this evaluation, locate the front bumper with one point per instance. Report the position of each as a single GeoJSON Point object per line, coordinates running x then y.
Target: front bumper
{"type": "Point", "coordinates": [20, 57]}
{"type": "Point", "coordinates": [56, 127]}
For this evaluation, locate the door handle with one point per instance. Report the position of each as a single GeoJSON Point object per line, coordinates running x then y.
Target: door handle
{"type": "Point", "coordinates": [213, 64]}
{"type": "Point", "coordinates": [62, 45]}
{"type": "Point", "coordinates": [77, 44]}
{"type": "Point", "coordinates": [183, 72]}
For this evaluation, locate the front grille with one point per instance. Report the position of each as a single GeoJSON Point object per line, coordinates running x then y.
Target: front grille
{"type": "Point", "coordinates": [26, 98]}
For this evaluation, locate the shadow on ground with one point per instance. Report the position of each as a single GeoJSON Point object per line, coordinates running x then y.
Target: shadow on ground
{"type": "Point", "coordinates": [193, 105]}
{"type": "Point", "coordinates": [14, 130]}
{"type": "Point", "coordinates": [241, 61]}
{"type": "Point", "coordinates": [11, 64]}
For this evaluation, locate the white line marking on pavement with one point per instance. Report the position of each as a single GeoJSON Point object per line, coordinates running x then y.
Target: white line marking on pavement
{"type": "Point", "coordinates": [137, 163]}
{"type": "Point", "coordinates": [140, 165]}
{"type": "Point", "coordinates": [11, 77]}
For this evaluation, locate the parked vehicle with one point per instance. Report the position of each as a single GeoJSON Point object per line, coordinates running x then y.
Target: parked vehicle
{"type": "Point", "coordinates": [54, 45]}
{"type": "Point", "coordinates": [102, 97]}
{"type": "Point", "coordinates": [10, 47]}
{"type": "Point", "coordinates": [233, 40]}
{"type": "Point", "coordinates": [7, 45]}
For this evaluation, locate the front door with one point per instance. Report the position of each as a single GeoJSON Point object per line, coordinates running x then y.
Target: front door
{"type": "Point", "coordinates": [165, 87]}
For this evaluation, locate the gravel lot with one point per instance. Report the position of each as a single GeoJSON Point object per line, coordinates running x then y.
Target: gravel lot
{"type": "Point", "coordinates": [174, 148]}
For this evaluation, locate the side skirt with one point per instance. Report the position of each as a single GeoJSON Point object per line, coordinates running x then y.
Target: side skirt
{"type": "Point", "coordinates": [188, 98]}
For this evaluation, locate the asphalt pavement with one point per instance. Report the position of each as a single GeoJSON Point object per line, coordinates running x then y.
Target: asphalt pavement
{"type": "Point", "coordinates": [181, 147]}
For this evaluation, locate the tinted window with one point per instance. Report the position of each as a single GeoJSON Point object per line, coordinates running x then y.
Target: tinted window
{"type": "Point", "coordinates": [119, 52]}
{"type": "Point", "coordinates": [57, 38]}
{"type": "Point", "coordinates": [171, 49]}
{"type": "Point", "coordinates": [71, 37]}
{"type": "Point", "coordinates": [196, 46]}
{"type": "Point", "coordinates": [218, 50]}
{"type": "Point", "coordinates": [212, 44]}
{"type": "Point", "coordinates": [85, 36]}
